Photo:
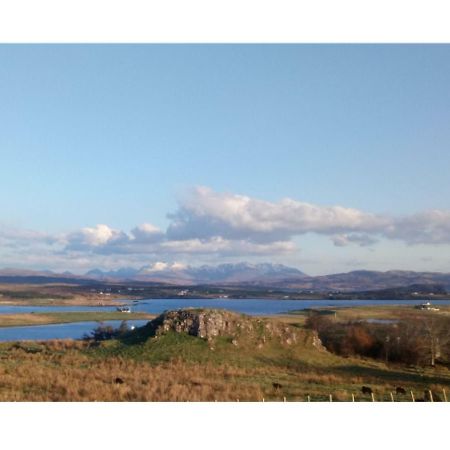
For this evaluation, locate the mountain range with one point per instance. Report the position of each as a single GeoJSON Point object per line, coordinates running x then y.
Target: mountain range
{"type": "Point", "coordinates": [240, 273]}
{"type": "Point", "coordinates": [264, 275]}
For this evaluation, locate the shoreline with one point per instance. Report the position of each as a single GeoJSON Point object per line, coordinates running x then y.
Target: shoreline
{"type": "Point", "coordinates": [341, 313]}
{"type": "Point", "coordinates": [120, 300]}
{"type": "Point", "coordinates": [50, 318]}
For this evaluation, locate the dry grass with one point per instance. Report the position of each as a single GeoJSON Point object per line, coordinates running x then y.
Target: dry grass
{"type": "Point", "coordinates": [12, 320]}
{"type": "Point", "coordinates": [56, 373]}
{"type": "Point", "coordinates": [178, 367]}
{"type": "Point", "coordinates": [397, 312]}
{"type": "Point", "coordinates": [76, 371]}
{"type": "Point", "coordinates": [22, 319]}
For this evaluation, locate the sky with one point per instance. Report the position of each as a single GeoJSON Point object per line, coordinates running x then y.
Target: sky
{"type": "Point", "coordinates": [328, 158]}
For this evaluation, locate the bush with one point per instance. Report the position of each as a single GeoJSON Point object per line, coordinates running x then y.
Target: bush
{"type": "Point", "coordinates": [423, 341]}
{"type": "Point", "coordinates": [106, 332]}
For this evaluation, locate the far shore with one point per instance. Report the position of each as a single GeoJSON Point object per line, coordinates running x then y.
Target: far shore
{"type": "Point", "coordinates": [341, 314]}
{"type": "Point", "coordinates": [124, 300]}
{"type": "Point", "coordinates": [29, 319]}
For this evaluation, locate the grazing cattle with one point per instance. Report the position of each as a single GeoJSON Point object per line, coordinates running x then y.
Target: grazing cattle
{"type": "Point", "coordinates": [366, 390]}
{"type": "Point", "coordinates": [400, 390]}
{"type": "Point", "coordinates": [277, 386]}
{"type": "Point", "coordinates": [119, 380]}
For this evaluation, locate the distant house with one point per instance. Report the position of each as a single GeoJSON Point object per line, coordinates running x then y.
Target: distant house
{"type": "Point", "coordinates": [427, 307]}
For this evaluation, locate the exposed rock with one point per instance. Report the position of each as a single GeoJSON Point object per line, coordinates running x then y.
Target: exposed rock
{"type": "Point", "coordinates": [210, 323]}
{"type": "Point", "coordinates": [317, 343]}
{"type": "Point", "coordinates": [205, 324]}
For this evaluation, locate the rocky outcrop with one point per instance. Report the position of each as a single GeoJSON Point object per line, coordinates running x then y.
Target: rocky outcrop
{"type": "Point", "coordinates": [241, 329]}
{"type": "Point", "coordinates": [201, 323]}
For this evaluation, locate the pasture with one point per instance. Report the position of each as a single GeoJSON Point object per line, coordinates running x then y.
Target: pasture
{"type": "Point", "coordinates": [180, 367]}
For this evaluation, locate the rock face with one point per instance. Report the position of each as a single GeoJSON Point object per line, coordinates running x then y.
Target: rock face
{"type": "Point", "coordinates": [204, 324]}
{"type": "Point", "coordinates": [211, 323]}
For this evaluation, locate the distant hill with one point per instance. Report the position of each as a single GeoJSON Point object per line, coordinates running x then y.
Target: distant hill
{"type": "Point", "coordinates": [364, 280]}
{"type": "Point", "coordinates": [274, 275]}
{"type": "Point", "coordinates": [263, 275]}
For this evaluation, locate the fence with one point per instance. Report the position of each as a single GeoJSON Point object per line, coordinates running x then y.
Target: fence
{"type": "Point", "coordinates": [427, 396]}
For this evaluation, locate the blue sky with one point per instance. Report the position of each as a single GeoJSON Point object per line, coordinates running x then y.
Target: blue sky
{"type": "Point", "coordinates": [122, 135]}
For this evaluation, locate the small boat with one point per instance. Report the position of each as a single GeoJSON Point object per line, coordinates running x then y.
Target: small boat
{"type": "Point", "coordinates": [124, 309]}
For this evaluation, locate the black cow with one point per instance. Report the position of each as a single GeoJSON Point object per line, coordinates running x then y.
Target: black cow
{"type": "Point", "coordinates": [277, 386]}
{"type": "Point", "coordinates": [366, 390]}
{"type": "Point", "coordinates": [400, 390]}
{"type": "Point", "coordinates": [119, 380]}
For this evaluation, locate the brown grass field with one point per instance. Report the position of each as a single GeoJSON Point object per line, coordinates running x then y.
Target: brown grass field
{"type": "Point", "coordinates": [24, 319]}
{"type": "Point", "coordinates": [178, 367]}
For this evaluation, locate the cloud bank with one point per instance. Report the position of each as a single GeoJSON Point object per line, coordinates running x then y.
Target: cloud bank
{"type": "Point", "coordinates": [230, 225]}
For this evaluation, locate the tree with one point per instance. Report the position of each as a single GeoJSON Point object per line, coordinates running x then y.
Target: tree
{"type": "Point", "coordinates": [424, 340]}
{"type": "Point", "coordinates": [436, 337]}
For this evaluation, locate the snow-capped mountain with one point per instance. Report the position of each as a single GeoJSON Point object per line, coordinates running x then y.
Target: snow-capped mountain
{"type": "Point", "coordinates": [205, 274]}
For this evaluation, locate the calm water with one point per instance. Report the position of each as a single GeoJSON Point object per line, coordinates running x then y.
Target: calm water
{"type": "Point", "coordinates": [246, 306]}
{"type": "Point", "coordinates": [262, 306]}
{"type": "Point", "coordinates": [156, 306]}
{"type": "Point", "coordinates": [74, 330]}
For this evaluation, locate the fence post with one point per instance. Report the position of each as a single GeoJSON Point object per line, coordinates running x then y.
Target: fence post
{"type": "Point", "coordinates": [445, 395]}
{"type": "Point", "coordinates": [431, 395]}
{"type": "Point", "coordinates": [331, 397]}
{"type": "Point", "coordinates": [309, 398]}
{"type": "Point", "coordinates": [373, 396]}
{"type": "Point", "coordinates": [353, 397]}
{"type": "Point", "coordinates": [392, 396]}
{"type": "Point", "coordinates": [284, 399]}
{"type": "Point", "coordinates": [263, 399]}
{"type": "Point", "coordinates": [412, 396]}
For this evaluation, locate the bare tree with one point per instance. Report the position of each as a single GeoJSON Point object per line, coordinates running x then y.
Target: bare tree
{"type": "Point", "coordinates": [437, 337]}
{"type": "Point", "coordinates": [432, 338]}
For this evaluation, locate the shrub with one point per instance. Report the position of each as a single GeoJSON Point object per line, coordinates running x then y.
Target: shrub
{"type": "Point", "coordinates": [104, 332]}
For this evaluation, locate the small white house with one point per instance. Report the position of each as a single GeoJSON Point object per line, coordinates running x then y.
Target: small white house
{"type": "Point", "coordinates": [427, 307]}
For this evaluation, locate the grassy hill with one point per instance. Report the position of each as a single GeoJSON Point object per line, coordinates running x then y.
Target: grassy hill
{"type": "Point", "coordinates": [202, 355]}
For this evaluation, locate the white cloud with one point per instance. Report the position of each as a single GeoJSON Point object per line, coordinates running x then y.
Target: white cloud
{"type": "Point", "coordinates": [363, 240]}
{"type": "Point", "coordinates": [226, 247]}
{"type": "Point", "coordinates": [96, 237]}
{"type": "Point", "coordinates": [211, 224]}
{"type": "Point", "coordinates": [146, 233]}
{"type": "Point", "coordinates": [103, 239]}
{"type": "Point", "coordinates": [10, 237]}
{"type": "Point", "coordinates": [160, 266]}
{"type": "Point", "coordinates": [205, 213]}
{"type": "Point", "coordinates": [428, 227]}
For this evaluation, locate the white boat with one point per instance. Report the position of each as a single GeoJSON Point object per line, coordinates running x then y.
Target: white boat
{"type": "Point", "coordinates": [124, 309]}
